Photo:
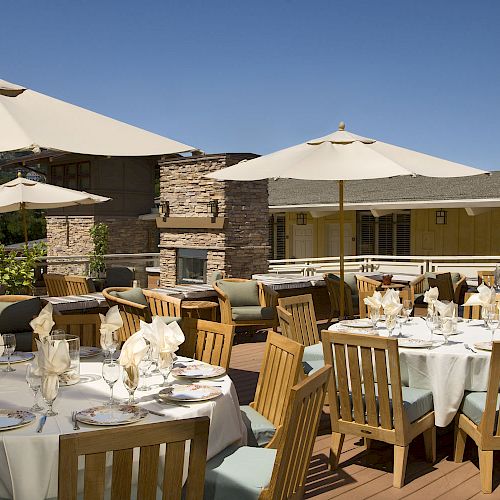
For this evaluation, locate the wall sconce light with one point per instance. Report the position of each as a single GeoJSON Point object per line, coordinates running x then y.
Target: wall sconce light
{"type": "Point", "coordinates": [441, 216]}
{"type": "Point", "coordinates": [213, 208]}
{"type": "Point", "coordinates": [301, 219]}
{"type": "Point", "coordinates": [165, 209]}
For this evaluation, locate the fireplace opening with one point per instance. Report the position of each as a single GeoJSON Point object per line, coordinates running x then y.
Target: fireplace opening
{"type": "Point", "coordinates": [191, 265]}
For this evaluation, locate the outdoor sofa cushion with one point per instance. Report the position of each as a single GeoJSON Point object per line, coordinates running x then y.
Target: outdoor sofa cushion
{"type": "Point", "coordinates": [132, 295]}
{"type": "Point", "coordinates": [259, 429]}
{"type": "Point", "coordinates": [252, 313]}
{"type": "Point", "coordinates": [473, 405]}
{"type": "Point", "coordinates": [313, 352]}
{"type": "Point", "coordinates": [350, 281]}
{"type": "Point", "coordinates": [240, 473]}
{"type": "Point", "coordinates": [15, 317]}
{"type": "Point", "coordinates": [241, 293]}
{"type": "Point", "coordinates": [312, 366]}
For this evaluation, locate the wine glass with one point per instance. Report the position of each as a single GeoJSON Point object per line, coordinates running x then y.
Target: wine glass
{"type": "Point", "coordinates": [50, 389]}
{"type": "Point", "coordinates": [390, 323]}
{"type": "Point", "coordinates": [493, 321]}
{"type": "Point", "coordinates": [130, 380]}
{"type": "Point", "coordinates": [374, 315]}
{"type": "Point", "coordinates": [408, 308]}
{"type": "Point", "coordinates": [446, 326]}
{"type": "Point", "coordinates": [9, 346]}
{"type": "Point", "coordinates": [144, 366]}
{"type": "Point", "coordinates": [34, 381]}
{"type": "Point", "coordinates": [110, 374]}
{"type": "Point", "coordinates": [432, 322]}
{"type": "Point", "coordinates": [165, 364]}
{"type": "Point", "coordinates": [401, 319]}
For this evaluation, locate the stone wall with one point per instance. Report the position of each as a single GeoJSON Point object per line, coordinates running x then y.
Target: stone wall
{"type": "Point", "coordinates": [241, 248]}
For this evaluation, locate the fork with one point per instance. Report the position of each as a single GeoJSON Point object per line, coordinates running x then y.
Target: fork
{"type": "Point", "coordinates": [467, 346]}
{"type": "Point", "coordinates": [76, 426]}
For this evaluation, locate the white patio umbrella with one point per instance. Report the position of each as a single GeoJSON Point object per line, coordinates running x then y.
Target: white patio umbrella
{"type": "Point", "coordinates": [25, 194]}
{"type": "Point", "coordinates": [343, 156]}
{"type": "Point", "coordinates": [34, 121]}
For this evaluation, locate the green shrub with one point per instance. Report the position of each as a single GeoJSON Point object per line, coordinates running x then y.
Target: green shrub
{"type": "Point", "coordinates": [99, 234]}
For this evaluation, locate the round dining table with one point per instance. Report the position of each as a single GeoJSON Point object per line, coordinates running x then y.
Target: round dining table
{"type": "Point", "coordinates": [29, 460]}
{"type": "Point", "coordinates": [448, 370]}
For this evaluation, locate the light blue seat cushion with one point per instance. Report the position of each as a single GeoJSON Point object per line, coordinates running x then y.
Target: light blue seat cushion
{"type": "Point", "coordinates": [239, 473]}
{"type": "Point", "coordinates": [313, 352]}
{"type": "Point", "coordinates": [251, 313]}
{"type": "Point", "coordinates": [240, 293]}
{"type": "Point", "coordinates": [416, 402]}
{"type": "Point", "coordinates": [312, 366]}
{"type": "Point", "coordinates": [259, 430]}
{"type": "Point", "coordinates": [170, 319]}
{"type": "Point", "coordinates": [473, 405]}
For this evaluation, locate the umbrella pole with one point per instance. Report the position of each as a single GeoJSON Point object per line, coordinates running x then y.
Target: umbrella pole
{"type": "Point", "coordinates": [341, 246]}
{"type": "Point", "coordinates": [25, 225]}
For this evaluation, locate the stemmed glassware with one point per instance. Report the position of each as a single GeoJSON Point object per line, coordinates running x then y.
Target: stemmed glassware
{"type": "Point", "coordinates": [165, 365]}
{"type": "Point", "coordinates": [492, 319]}
{"type": "Point", "coordinates": [390, 323]}
{"type": "Point", "coordinates": [110, 374]}
{"type": "Point", "coordinates": [112, 346]}
{"type": "Point", "coordinates": [50, 395]}
{"type": "Point", "coordinates": [401, 319]}
{"type": "Point", "coordinates": [446, 327]}
{"type": "Point", "coordinates": [144, 366]}
{"type": "Point", "coordinates": [408, 308]}
{"type": "Point", "coordinates": [432, 322]}
{"type": "Point", "coordinates": [130, 380]}
{"type": "Point", "coordinates": [374, 315]}
{"type": "Point", "coordinates": [9, 346]}
{"type": "Point", "coordinates": [34, 381]}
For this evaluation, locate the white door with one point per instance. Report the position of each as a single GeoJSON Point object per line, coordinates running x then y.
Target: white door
{"type": "Point", "coordinates": [333, 240]}
{"type": "Point", "coordinates": [302, 241]}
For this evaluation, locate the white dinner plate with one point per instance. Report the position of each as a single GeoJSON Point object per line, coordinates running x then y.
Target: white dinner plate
{"type": "Point", "coordinates": [414, 343]}
{"type": "Point", "coordinates": [192, 392]}
{"type": "Point", "coordinates": [112, 415]}
{"type": "Point", "coordinates": [17, 357]}
{"type": "Point", "coordinates": [357, 323]}
{"type": "Point", "coordinates": [198, 371]}
{"type": "Point", "coordinates": [89, 351]}
{"type": "Point", "coordinates": [11, 418]}
{"type": "Point", "coordinates": [483, 346]}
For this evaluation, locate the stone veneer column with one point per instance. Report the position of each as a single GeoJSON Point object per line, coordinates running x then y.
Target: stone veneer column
{"type": "Point", "coordinates": [241, 248]}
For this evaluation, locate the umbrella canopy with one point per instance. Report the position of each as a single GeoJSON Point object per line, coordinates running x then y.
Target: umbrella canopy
{"type": "Point", "coordinates": [30, 120]}
{"type": "Point", "coordinates": [343, 156]}
{"type": "Point", "coordinates": [22, 194]}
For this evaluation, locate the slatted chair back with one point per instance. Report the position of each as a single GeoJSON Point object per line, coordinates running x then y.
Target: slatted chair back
{"type": "Point", "coordinates": [301, 308]}
{"type": "Point", "coordinates": [474, 312]}
{"type": "Point", "coordinates": [358, 402]}
{"type": "Point", "coordinates": [299, 430]}
{"type": "Point", "coordinates": [79, 285]}
{"type": "Point", "coordinates": [132, 313]}
{"type": "Point", "coordinates": [286, 324]}
{"type": "Point", "coordinates": [486, 277]}
{"type": "Point", "coordinates": [85, 326]}
{"type": "Point", "coordinates": [56, 285]}
{"type": "Point", "coordinates": [281, 369]}
{"type": "Point", "coordinates": [121, 443]}
{"type": "Point", "coordinates": [161, 304]}
{"type": "Point", "coordinates": [333, 287]}
{"type": "Point", "coordinates": [207, 341]}
{"type": "Point", "coordinates": [366, 284]}
{"type": "Point", "coordinates": [445, 286]}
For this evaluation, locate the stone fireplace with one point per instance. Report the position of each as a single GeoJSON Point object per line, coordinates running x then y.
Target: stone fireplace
{"type": "Point", "coordinates": [210, 225]}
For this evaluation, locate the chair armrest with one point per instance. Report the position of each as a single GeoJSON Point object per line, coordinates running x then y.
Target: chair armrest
{"type": "Point", "coordinates": [459, 290]}
{"type": "Point", "coordinates": [224, 305]}
{"type": "Point", "coordinates": [111, 300]}
{"type": "Point", "coordinates": [267, 296]}
{"type": "Point", "coordinates": [417, 286]}
{"type": "Point", "coordinates": [162, 304]}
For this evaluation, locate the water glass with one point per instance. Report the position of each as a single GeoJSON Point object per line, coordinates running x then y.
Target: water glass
{"type": "Point", "coordinates": [401, 319]}
{"type": "Point", "coordinates": [493, 321]}
{"type": "Point", "coordinates": [110, 374]}
{"type": "Point", "coordinates": [446, 326]}
{"type": "Point", "coordinates": [50, 395]}
{"type": "Point", "coordinates": [374, 315]}
{"type": "Point", "coordinates": [9, 346]}
{"type": "Point", "coordinates": [408, 307]}
{"type": "Point", "coordinates": [165, 365]}
{"type": "Point", "coordinates": [390, 323]}
{"type": "Point", "coordinates": [144, 367]}
{"type": "Point", "coordinates": [112, 346]}
{"type": "Point", "coordinates": [130, 379]}
{"type": "Point", "coordinates": [34, 381]}
{"type": "Point", "coordinates": [432, 322]}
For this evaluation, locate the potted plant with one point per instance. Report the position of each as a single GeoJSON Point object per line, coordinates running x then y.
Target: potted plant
{"type": "Point", "coordinates": [97, 264]}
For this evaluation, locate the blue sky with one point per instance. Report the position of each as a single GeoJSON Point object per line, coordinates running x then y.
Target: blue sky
{"type": "Point", "coordinates": [256, 76]}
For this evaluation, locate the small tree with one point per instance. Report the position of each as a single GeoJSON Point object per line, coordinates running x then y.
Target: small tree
{"type": "Point", "coordinates": [99, 234]}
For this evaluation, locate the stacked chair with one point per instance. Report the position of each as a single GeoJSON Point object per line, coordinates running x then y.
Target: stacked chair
{"type": "Point", "coordinates": [59, 285]}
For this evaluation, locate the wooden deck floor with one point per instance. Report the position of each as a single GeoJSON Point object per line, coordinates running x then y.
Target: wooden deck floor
{"type": "Point", "coordinates": [368, 474]}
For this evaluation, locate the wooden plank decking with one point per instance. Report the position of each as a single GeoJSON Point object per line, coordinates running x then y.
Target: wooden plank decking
{"type": "Point", "coordinates": [368, 474]}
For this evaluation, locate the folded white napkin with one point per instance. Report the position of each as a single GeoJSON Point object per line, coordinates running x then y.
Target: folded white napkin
{"type": "Point", "coordinates": [374, 301]}
{"type": "Point", "coordinates": [445, 309]}
{"type": "Point", "coordinates": [109, 324]}
{"type": "Point", "coordinates": [485, 296]}
{"type": "Point", "coordinates": [431, 295]}
{"type": "Point", "coordinates": [161, 336]}
{"type": "Point", "coordinates": [391, 296]}
{"type": "Point", "coordinates": [53, 360]}
{"type": "Point", "coordinates": [165, 360]}
{"type": "Point", "coordinates": [133, 350]}
{"type": "Point", "coordinates": [392, 309]}
{"type": "Point", "coordinates": [43, 323]}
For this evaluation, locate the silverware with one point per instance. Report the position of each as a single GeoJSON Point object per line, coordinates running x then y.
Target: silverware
{"type": "Point", "coordinates": [171, 403]}
{"type": "Point", "coordinates": [155, 412]}
{"type": "Point", "coordinates": [467, 346]}
{"type": "Point", "coordinates": [41, 423]}
{"type": "Point", "coordinates": [76, 426]}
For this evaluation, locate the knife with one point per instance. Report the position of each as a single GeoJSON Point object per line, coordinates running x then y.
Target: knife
{"type": "Point", "coordinates": [41, 423]}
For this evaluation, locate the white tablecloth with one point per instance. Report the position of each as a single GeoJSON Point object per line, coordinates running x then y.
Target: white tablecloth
{"type": "Point", "coordinates": [447, 370]}
{"type": "Point", "coordinates": [29, 461]}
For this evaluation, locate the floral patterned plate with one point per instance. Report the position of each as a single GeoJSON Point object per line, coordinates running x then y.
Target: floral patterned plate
{"type": "Point", "coordinates": [191, 392]}
{"type": "Point", "coordinates": [198, 371]}
{"type": "Point", "coordinates": [357, 323]}
{"type": "Point", "coordinates": [111, 415]}
{"type": "Point", "coordinates": [412, 343]}
{"type": "Point", "coordinates": [484, 346]}
{"type": "Point", "coordinates": [17, 357]}
{"type": "Point", "coordinates": [88, 351]}
{"type": "Point", "coordinates": [12, 419]}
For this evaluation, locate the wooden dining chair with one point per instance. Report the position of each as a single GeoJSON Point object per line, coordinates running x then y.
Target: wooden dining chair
{"type": "Point", "coordinates": [366, 287]}
{"type": "Point", "coordinates": [268, 473]}
{"type": "Point", "coordinates": [368, 400]}
{"type": "Point", "coordinates": [207, 341]}
{"type": "Point", "coordinates": [56, 285]}
{"type": "Point", "coordinates": [478, 419]}
{"type": "Point", "coordinates": [161, 304]}
{"type": "Point", "coordinates": [333, 288]}
{"type": "Point", "coordinates": [301, 307]}
{"type": "Point", "coordinates": [486, 277]}
{"type": "Point", "coordinates": [79, 285]}
{"type": "Point", "coordinates": [94, 446]}
{"type": "Point", "coordinates": [474, 312]}
{"type": "Point", "coordinates": [280, 370]}
{"type": "Point", "coordinates": [85, 326]}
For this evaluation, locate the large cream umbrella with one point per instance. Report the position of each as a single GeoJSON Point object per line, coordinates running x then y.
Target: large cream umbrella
{"type": "Point", "coordinates": [24, 194]}
{"type": "Point", "coordinates": [343, 156]}
{"type": "Point", "coordinates": [33, 121]}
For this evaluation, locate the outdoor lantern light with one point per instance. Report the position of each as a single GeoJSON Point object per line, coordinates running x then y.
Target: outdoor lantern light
{"type": "Point", "coordinates": [165, 209]}
{"type": "Point", "coordinates": [213, 208]}
{"type": "Point", "coordinates": [301, 219]}
{"type": "Point", "coordinates": [441, 216]}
